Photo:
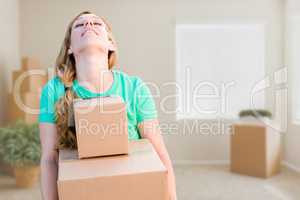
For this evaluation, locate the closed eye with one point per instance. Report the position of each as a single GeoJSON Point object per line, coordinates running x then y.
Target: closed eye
{"type": "Point", "coordinates": [97, 23]}
{"type": "Point", "coordinates": [78, 25]}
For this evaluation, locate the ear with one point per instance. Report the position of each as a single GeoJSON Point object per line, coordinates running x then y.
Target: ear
{"type": "Point", "coordinates": [70, 51]}
{"type": "Point", "coordinates": [112, 46]}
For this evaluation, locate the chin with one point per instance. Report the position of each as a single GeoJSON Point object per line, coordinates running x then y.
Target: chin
{"type": "Point", "coordinates": [93, 48]}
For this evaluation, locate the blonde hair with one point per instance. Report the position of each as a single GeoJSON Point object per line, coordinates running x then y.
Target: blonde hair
{"type": "Point", "coordinates": [65, 69]}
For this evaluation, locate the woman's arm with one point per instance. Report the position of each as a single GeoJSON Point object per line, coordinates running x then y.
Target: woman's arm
{"type": "Point", "coordinates": [48, 135]}
{"type": "Point", "coordinates": [150, 129]}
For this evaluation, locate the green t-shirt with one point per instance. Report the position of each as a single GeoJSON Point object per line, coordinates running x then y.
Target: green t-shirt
{"type": "Point", "coordinates": [135, 93]}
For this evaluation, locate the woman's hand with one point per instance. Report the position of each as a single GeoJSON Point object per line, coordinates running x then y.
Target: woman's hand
{"type": "Point", "coordinates": [150, 129]}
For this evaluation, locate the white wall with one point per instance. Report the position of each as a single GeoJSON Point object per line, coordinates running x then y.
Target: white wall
{"type": "Point", "coordinates": [292, 58]}
{"type": "Point", "coordinates": [269, 12]}
{"type": "Point", "coordinates": [9, 48]}
{"type": "Point", "coordinates": [145, 32]}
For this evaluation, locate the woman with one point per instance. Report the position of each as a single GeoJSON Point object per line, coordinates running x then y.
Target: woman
{"type": "Point", "coordinates": [84, 69]}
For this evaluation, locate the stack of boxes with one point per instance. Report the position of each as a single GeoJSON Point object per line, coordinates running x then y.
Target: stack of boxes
{"type": "Point", "coordinates": [106, 165]}
{"type": "Point", "coordinates": [23, 101]}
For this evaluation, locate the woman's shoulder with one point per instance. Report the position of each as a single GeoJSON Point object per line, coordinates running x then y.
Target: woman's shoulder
{"type": "Point", "coordinates": [54, 86]}
{"type": "Point", "coordinates": [124, 77]}
{"type": "Point", "coordinates": [53, 83]}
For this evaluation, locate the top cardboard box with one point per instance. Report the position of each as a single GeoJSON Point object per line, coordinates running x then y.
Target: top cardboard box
{"type": "Point", "coordinates": [101, 126]}
{"type": "Point", "coordinates": [30, 63]}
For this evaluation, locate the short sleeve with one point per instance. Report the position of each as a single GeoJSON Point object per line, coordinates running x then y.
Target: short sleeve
{"type": "Point", "coordinates": [145, 105]}
{"type": "Point", "coordinates": [47, 104]}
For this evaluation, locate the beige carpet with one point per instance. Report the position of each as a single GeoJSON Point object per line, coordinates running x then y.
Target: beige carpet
{"type": "Point", "coordinates": [200, 183]}
{"type": "Point", "coordinates": [217, 183]}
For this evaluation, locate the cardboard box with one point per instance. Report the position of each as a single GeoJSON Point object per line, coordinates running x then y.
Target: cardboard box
{"type": "Point", "coordinates": [28, 113]}
{"type": "Point", "coordinates": [30, 63]}
{"type": "Point", "coordinates": [101, 126]}
{"type": "Point", "coordinates": [29, 81]}
{"type": "Point", "coordinates": [137, 176]}
{"type": "Point", "coordinates": [255, 150]}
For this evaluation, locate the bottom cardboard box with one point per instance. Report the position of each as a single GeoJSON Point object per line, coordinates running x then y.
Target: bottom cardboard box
{"type": "Point", "coordinates": [28, 113]}
{"type": "Point", "coordinates": [28, 80]}
{"type": "Point", "coordinates": [140, 175]}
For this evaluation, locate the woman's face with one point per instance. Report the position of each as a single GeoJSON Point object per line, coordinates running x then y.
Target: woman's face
{"type": "Point", "coordinates": [89, 34]}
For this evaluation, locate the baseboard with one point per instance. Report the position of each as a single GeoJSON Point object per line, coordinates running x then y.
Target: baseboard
{"type": "Point", "coordinates": [200, 162]}
{"type": "Point", "coordinates": [224, 162]}
{"type": "Point", "coordinates": [291, 166]}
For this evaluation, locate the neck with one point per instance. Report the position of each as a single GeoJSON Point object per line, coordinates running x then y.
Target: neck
{"type": "Point", "coordinates": [92, 72]}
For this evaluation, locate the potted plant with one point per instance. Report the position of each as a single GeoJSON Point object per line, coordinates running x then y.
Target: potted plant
{"type": "Point", "coordinates": [256, 113]}
{"type": "Point", "coordinates": [255, 116]}
{"type": "Point", "coordinates": [4, 167]}
{"type": "Point", "coordinates": [21, 149]}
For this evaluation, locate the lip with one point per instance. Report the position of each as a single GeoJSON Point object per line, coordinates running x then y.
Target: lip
{"type": "Point", "coordinates": [89, 31]}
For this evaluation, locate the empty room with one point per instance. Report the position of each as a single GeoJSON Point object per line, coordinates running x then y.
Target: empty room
{"type": "Point", "coordinates": [151, 100]}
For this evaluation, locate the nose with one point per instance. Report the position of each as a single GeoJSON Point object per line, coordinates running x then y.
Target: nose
{"type": "Point", "coordinates": [89, 24]}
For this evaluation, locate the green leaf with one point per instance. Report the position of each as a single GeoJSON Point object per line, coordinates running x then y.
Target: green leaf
{"type": "Point", "coordinates": [20, 144]}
